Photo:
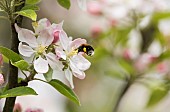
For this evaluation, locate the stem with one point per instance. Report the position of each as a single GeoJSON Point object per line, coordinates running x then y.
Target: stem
{"type": "Point", "coordinates": [121, 96]}
{"type": "Point", "coordinates": [13, 71]}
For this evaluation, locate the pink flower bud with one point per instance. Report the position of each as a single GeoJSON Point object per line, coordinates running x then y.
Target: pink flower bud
{"type": "Point", "coordinates": [1, 60]}
{"type": "Point", "coordinates": [127, 54]}
{"type": "Point", "coordinates": [113, 22]}
{"type": "Point", "coordinates": [56, 36]}
{"type": "Point", "coordinates": [1, 79]}
{"type": "Point", "coordinates": [96, 31]}
{"type": "Point", "coordinates": [17, 108]}
{"type": "Point", "coordinates": [94, 8]}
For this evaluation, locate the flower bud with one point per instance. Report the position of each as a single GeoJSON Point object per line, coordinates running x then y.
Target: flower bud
{"type": "Point", "coordinates": [1, 79]}
{"type": "Point", "coordinates": [56, 36]}
{"type": "Point", "coordinates": [17, 108]}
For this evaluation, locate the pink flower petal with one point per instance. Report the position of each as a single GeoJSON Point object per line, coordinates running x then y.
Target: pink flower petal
{"type": "Point", "coordinates": [1, 79]}
{"type": "Point", "coordinates": [41, 65]}
{"type": "Point", "coordinates": [69, 77]}
{"type": "Point", "coordinates": [28, 37]}
{"type": "Point", "coordinates": [45, 38]}
{"type": "Point", "coordinates": [77, 42]}
{"type": "Point", "coordinates": [80, 62]}
{"type": "Point", "coordinates": [25, 50]}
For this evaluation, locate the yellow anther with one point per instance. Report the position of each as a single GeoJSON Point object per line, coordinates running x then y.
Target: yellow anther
{"type": "Point", "coordinates": [73, 52]}
{"type": "Point", "coordinates": [41, 49]}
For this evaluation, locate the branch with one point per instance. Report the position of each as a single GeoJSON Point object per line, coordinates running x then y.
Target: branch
{"type": "Point", "coordinates": [13, 71]}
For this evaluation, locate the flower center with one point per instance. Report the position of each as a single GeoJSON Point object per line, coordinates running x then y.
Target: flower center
{"type": "Point", "coordinates": [41, 49]}
{"type": "Point", "coordinates": [72, 53]}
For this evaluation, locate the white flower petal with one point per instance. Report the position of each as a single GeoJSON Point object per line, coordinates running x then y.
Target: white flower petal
{"type": "Point", "coordinates": [57, 27]}
{"type": "Point", "coordinates": [41, 65]}
{"type": "Point", "coordinates": [54, 63]}
{"type": "Point", "coordinates": [17, 28]}
{"type": "Point", "coordinates": [80, 62]}
{"type": "Point", "coordinates": [28, 37]}
{"type": "Point", "coordinates": [77, 73]}
{"type": "Point", "coordinates": [60, 53]}
{"type": "Point", "coordinates": [64, 40]}
{"type": "Point", "coordinates": [25, 50]}
{"type": "Point", "coordinates": [69, 77]}
{"type": "Point", "coordinates": [77, 42]}
{"type": "Point", "coordinates": [42, 24]}
{"type": "Point", "coordinates": [82, 4]}
{"type": "Point", "coordinates": [82, 76]}
{"type": "Point", "coordinates": [45, 38]}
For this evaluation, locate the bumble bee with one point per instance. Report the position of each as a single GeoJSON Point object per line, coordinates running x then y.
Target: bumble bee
{"type": "Point", "coordinates": [86, 49]}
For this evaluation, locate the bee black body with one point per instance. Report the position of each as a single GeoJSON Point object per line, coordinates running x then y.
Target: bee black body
{"type": "Point", "coordinates": [86, 49]}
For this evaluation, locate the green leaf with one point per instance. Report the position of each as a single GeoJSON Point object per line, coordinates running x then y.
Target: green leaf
{"type": "Point", "coordinates": [32, 1]}
{"type": "Point", "coordinates": [156, 96]}
{"type": "Point", "coordinates": [65, 90]}
{"type": "Point", "coordinates": [32, 7]}
{"type": "Point", "coordinates": [48, 75]}
{"type": "Point", "coordinates": [11, 55]}
{"type": "Point", "coordinates": [115, 74]}
{"type": "Point", "coordinates": [160, 15]}
{"type": "Point", "coordinates": [64, 3]}
{"type": "Point", "coordinates": [22, 64]}
{"type": "Point", "coordinates": [28, 13]}
{"type": "Point", "coordinates": [165, 55]}
{"type": "Point", "coordinates": [18, 91]}
{"type": "Point", "coordinates": [126, 65]}
{"type": "Point", "coordinates": [5, 59]}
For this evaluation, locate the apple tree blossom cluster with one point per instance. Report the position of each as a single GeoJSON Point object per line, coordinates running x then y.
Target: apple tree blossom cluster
{"type": "Point", "coordinates": [49, 47]}
{"type": "Point", "coordinates": [122, 13]}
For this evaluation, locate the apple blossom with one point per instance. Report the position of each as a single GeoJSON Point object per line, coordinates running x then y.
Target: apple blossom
{"type": "Point", "coordinates": [74, 63]}
{"type": "Point", "coordinates": [31, 45]}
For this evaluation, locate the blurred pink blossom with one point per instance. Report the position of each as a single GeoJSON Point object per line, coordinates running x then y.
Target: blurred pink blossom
{"type": "Point", "coordinates": [94, 8]}
{"type": "Point", "coordinates": [142, 63]}
{"type": "Point", "coordinates": [96, 30]}
{"type": "Point", "coordinates": [127, 54]}
{"type": "Point", "coordinates": [162, 67]}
